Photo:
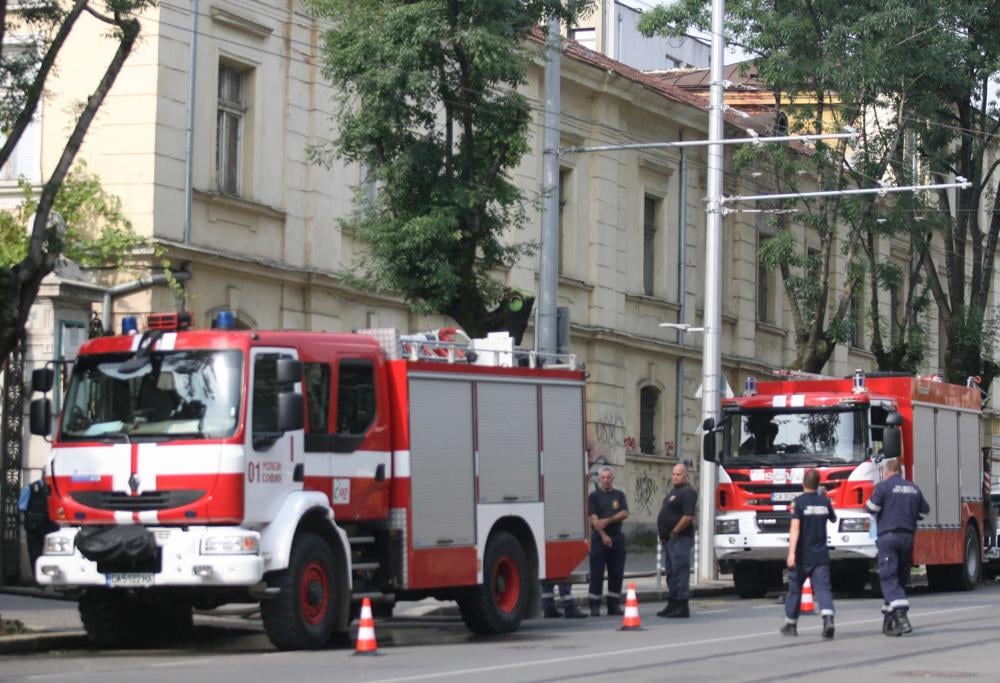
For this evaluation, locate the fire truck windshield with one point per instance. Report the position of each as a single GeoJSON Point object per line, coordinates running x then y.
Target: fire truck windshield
{"type": "Point", "coordinates": [783, 438]}
{"type": "Point", "coordinates": [177, 394]}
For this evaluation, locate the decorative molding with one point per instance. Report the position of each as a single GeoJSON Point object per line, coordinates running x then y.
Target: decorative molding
{"type": "Point", "coordinates": [235, 21]}
{"type": "Point", "coordinates": [246, 206]}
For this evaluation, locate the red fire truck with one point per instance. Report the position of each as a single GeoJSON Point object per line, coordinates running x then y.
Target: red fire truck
{"type": "Point", "coordinates": [844, 427]}
{"type": "Point", "coordinates": [307, 470]}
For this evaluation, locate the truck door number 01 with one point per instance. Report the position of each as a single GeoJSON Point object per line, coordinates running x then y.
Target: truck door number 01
{"type": "Point", "coordinates": [266, 472]}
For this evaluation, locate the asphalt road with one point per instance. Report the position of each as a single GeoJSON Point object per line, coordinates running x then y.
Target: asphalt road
{"type": "Point", "coordinates": [956, 636]}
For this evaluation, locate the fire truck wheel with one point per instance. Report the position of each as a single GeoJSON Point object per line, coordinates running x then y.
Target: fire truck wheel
{"type": "Point", "coordinates": [967, 574]}
{"type": "Point", "coordinates": [173, 619]}
{"type": "Point", "coordinates": [113, 618]}
{"type": "Point", "coordinates": [749, 580]}
{"type": "Point", "coordinates": [302, 615]}
{"type": "Point", "coordinates": [498, 605]}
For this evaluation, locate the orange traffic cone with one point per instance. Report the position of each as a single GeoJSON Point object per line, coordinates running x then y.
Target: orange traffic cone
{"type": "Point", "coordinates": [807, 606]}
{"type": "Point", "coordinates": [366, 631]}
{"type": "Point", "coordinates": [631, 620]}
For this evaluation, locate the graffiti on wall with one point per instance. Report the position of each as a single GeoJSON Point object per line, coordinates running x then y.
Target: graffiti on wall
{"type": "Point", "coordinates": [605, 434]}
{"type": "Point", "coordinates": [644, 496]}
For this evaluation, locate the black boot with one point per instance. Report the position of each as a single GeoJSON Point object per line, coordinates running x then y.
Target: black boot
{"type": "Point", "coordinates": [671, 606]}
{"type": "Point", "coordinates": [573, 612]}
{"type": "Point", "coordinates": [828, 626]}
{"type": "Point", "coordinates": [681, 610]}
{"type": "Point", "coordinates": [789, 629]}
{"type": "Point", "coordinates": [886, 620]}
{"type": "Point", "coordinates": [615, 608]}
{"type": "Point", "coordinates": [552, 612]}
{"type": "Point", "coordinates": [896, 627]}
{"type": "Point", "coordinates": [903, 621]}
{"type": "Point", "coordinates": [595, 608]}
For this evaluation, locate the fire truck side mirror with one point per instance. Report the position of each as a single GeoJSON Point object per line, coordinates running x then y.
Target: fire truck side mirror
{"type": "Point", "coordinates": [708, 440]}
{"type": "Point", "coordinates": [288, 370]}
{"type": "Point", "coordinates": [290, 413]}
{"type": "Point", "coordinates": [892, 445]}
{"type": "Point", "coordinates": [40, 421]}
{"type": "Point", "coordinates": [42, 379]}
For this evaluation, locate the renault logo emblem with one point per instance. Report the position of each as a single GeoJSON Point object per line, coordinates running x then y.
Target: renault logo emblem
{"type": "Point", "coordinates": [133, 482]}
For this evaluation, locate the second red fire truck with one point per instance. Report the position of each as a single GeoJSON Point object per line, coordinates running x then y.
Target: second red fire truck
{"type": "Point", "coordinates": [192, 468]}
{"type": "Point", "coordinates": [778, 429]}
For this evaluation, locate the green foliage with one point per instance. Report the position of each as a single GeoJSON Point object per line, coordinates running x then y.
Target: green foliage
{"type": "Point", "coordinates": [429, 105]}
{"type": "Point", "coordinates": [98, 234]}
{"type": "Point", "coordinates": [857, 63]}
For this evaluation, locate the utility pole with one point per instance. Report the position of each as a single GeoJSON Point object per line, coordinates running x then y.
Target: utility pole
{"type": "Point", "coordinates": [711, 364]}
{"type": "Point", "coordinates": [548, 269]}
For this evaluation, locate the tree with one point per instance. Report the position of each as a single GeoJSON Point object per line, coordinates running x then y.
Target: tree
{"type": "Point", "coordinates": [32, 36]}
{"type": "Point", "coordinates": [955, 123]}
{"type": "Point", "coordinates": [98, 235]}
{"type": "Point", "coordinates": [428, 104]}
{"type": "Point", "coordinates": [861, 63]}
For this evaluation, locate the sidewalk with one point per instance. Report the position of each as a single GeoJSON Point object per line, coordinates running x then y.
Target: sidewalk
{"type": "Point", "coordinates": [55, 622]}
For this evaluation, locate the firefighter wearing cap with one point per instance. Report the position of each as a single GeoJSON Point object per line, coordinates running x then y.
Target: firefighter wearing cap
{"type": "Point", "coordinates": [897, 504]}
{"type": "Point", "coordinates": [608, 509]}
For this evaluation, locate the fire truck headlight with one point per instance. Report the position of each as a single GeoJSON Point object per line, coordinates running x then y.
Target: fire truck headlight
{"type": "Point", "coordinates": [855, 524]}
{"type": "Point", "coordinates": [727, 526]}
{"type": "Point", "coordinates": [231, 544]}
{"type": "Point", "coordinates": [56, 544]}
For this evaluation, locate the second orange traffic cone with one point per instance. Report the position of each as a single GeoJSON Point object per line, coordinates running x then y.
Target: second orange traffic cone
{"type": "Point", "coordinates": [366, 631]}
{"type": "Point", "coordinates": [807, 606]}
{"type": "Point", "coordinates": [631, 620]}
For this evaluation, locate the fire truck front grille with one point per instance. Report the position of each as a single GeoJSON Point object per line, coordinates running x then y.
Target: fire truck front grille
{"type": "Point", "coordinates": [774, 522]}
{"type": "Point", "coordinates": [148, 500]}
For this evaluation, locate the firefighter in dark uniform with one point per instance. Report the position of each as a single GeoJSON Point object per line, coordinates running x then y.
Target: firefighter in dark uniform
{"type": "Point", "coordinates": [897, 504]}
{"type": "Point", "coordinates": [808, 557]}
{"type": "Point", "coordinates": [675, 525]}
{"type": "Point", "coordinates": [608, 509]}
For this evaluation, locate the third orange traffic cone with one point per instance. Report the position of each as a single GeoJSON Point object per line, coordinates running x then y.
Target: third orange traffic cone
{"type": "Point", "coordinates": [807, 606]}
{"type": "Point", "coordinates": [631, 620]}
{"type": "Point", "coordinates": [366, 631]}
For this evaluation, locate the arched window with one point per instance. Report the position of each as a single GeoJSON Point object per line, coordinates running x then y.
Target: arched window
{"type": "Point", "coordinates": [649, 409]}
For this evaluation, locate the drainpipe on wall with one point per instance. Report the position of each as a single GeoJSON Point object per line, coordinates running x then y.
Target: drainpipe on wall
{"type": "Point", "coordinates": [681, 286]}
{"type": "Point", "coordinates": [181, 275]}
{"type": "Point", "coordinates": [189, 155]}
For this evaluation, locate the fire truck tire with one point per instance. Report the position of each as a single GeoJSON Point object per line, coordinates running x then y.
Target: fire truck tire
{"type": "Point", "coordinates": [499, 604]}
{"type": "Point", "coordinates": [173, 619]}
{"type": "Point", "coordinates": [967, 574]}
{"type": "Point", "coordinates": [113, 618]}
{"type": "Point", "coordinates": [749, 580]}
{"type": "Point", "coordinates": [303, 614]}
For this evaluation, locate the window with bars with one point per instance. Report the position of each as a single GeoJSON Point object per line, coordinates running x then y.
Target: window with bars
{"type": "Point", "coordinates": [231, 117]}
{"type": "Point", "coordinates": [649, 403]}
{"type": "Point", "coordinates": [649, 211]}
{"type": "Point", "coordinates": [857, 322]}
{"type": "Point", "coordinates": [765, 314]}
{"type": "Point", "coordinates": [564, 191]}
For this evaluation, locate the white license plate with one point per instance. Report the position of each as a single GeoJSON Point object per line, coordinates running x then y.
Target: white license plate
{"type": "Point", "coordinates": [784, 496]}
{"type": "Point", "coordinates": [130, 580]}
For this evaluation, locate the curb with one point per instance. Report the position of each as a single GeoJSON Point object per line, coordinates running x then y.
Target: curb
{"type": "Point", "coordinates": [44, 642]}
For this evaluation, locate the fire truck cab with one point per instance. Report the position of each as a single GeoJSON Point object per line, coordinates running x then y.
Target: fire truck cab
{"type": "Point", "coordinates": [844, 428]}
{"type": "Point", "coordinates": [308, 470]}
